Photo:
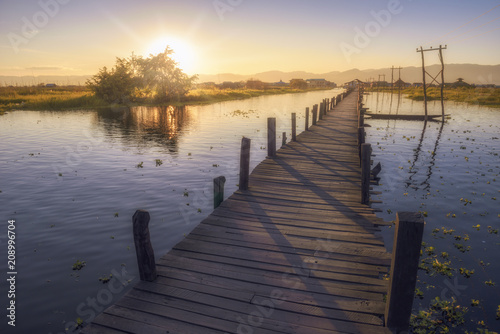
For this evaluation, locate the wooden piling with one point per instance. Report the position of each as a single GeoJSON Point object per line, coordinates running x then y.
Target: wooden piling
{"type": "Point", "coordinates": [314, 114]}
{"type": "Point", "coordinates": [405, 257]}
{"type": "Point", "coordinates": [271, 137]}
{"type": "Point", "coordinates": [307, 119]}
{"type": "Point", "coordinates": [294, 126]}
{"type": "Point", "coordinates": [283, 136]}
{"type": "Point", "coordinates": [320, 113]}
{"type": "Point", "coordinates": [245, 162]}
{"type": "Point", "coordinates": [365, 173]}
{"type": "Point", "coordinates": [219, 190]}
{"type": "Point", "coordinates": [143, 247]}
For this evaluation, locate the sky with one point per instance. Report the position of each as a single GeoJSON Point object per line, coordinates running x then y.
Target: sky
{"type": "Point", "coordinates": [78, 37]}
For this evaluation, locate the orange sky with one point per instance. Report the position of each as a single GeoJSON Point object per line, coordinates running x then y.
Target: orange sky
{"type": "Point", "coordinates": [70, 37]}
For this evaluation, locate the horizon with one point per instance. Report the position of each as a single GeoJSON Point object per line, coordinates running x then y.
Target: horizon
{"type": "Point", "coordinates": [69, 38]}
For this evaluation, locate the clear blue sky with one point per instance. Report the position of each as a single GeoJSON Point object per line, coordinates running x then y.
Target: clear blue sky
{"type": "Point", "coordinates": [67, 37]}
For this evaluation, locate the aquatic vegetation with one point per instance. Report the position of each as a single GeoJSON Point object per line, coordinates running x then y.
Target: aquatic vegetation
{"type": "Point", "coordinates": [441, 317]}
{"type": "Point", "coordinates": [105, 279]}
{"type": "Point", "coordinates": [140, 165]}
{"type": "Point", "coordinates": [489, 283]}
{"type": "Point", "coordinates": [116, 214]}
{"type": "Point", "coordinates": [474, 302]}
{"type": "Point", "coordinates": [159, 162]}
{"type": "Point", "coordinates": [78, 323]}
{"type": "Point", "coordinates": [78, 265]}
{"type": "Point", "coordinates": [466, 273]}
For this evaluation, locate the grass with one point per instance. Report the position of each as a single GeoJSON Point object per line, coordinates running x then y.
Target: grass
{"type": "Point", "coordinates": [482, 96]}
{"type": "Point", "coordinates": [80, 97]}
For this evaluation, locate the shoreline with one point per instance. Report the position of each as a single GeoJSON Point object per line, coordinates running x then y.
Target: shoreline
{"type": "Point", "coordinates": [65, 98]}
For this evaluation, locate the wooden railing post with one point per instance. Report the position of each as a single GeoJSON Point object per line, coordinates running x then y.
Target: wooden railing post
{"type": "Point", "coordinates": [307, 119]}
{"type": "Point", "coordinates": [320, 113]}
{"type": "Point", "coordinates": [404, 266]}
{"type": "Point", "coordinates": [271, 137]}
{"type": "Point", "coordinates": [314, 114]}
{"type": "Point", "coordinates": [219, 190]}
{"type": "Point", "coordinates": [283, 136]}
{"type": "Point", "coordinates": [361, 141]}
{"type": "Point", "coordinates": [143, 247]}
{"type": "Point", "coordinates": [245, 163]}
{"type": "Point", "coordinates": [365, 173]}
{"type": "Point", "coordinates": [294, 126]}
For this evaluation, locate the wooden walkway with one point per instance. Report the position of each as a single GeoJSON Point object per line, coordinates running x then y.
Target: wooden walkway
{"type": "Point", "coordinates": [296, 253]}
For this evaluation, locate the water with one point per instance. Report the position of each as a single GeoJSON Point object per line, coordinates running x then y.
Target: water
{"type": "Point", "coordinates": [450, 172]}
{"type": "Point", "coordinates": [72, 181]}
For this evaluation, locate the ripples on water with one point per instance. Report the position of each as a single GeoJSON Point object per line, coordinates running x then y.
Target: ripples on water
{"type": "Point", "coordinates": [72, 183]}
{"type": "Point", "coordinates": [439, 169]}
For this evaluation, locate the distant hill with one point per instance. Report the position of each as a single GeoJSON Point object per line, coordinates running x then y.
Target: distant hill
{"type": "Point", "coordinates": [471, 73]}
{"type": "Point", "coordinates": [474, 74]}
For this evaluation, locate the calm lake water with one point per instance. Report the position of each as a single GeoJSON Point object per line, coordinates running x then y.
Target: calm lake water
{"type": "Point", "coordinates": [72, 181]}
{"type": "Point", "coordinates": [450, 172]}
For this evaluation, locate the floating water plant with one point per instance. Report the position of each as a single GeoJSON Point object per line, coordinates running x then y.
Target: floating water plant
{"type": "Point", "coordinates": [159, 162]}
{"type": "Point", "coordinates": [78, 265]}
{"type": "Point", "coordinates": [105, 279]}
{"type": "Point", "coordinates": [140, 165]}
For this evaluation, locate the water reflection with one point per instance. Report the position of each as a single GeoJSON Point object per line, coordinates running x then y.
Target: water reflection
{"type": "Point", "coordinates": [145, 126]}
{"type": "Point", "coordinates": [413, 170]}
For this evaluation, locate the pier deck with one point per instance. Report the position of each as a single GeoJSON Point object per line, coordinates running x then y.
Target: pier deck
{"type": "Point", "coordinates": [296, 253]}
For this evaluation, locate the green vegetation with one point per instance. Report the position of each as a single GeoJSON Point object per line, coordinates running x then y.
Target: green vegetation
{"type": "Point", "coordinates": [81, 97]}
{"type": "Point", "coordinates": [441, 317]}
{"type": "Point", "coordinates": [78, 265]}
{"type": "Point", "coordinates": [48, 98]}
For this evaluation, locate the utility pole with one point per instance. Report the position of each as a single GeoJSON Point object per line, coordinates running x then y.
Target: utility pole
{"type": "Point", "coordinates": [392, 78]}
{"type": "Point", "coordinates": [434, 78]}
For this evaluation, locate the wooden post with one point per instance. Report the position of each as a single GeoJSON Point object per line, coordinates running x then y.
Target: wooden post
{"type": "Point", "coordinates": [423, 82]}
{"type": "Point", "coordinates": [143, 247]}
{"type": "Point", "coordinates": [442, 82]}
{"type": "Point", "coordinates": [219, 190]}
{"type": "Point", "coordinates": [320, 113]}
{"type": "Point", "coordinates": [244, 163]}
{"type": "Point", "coordinates": [405, 256]}
{"type": "Point", "coordinates": [271, 137]}
{"type": "Point", "coordinates": [294, 126]}
{"type": "Point", "coordinates": [314, 114]}
{"type": "Point", "coordinates": [283, 136]}
{"type": "Point", "coordinates": [365, 173]}
{"type": "Point", "coordinates": [307, 119]}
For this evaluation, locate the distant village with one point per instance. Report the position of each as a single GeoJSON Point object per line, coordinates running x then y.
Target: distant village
{"type": "Point", "coordinates": [400, 84]}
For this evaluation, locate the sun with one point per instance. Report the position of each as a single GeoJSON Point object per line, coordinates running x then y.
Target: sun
{"type": "Point", "coordinates": [184, 53]}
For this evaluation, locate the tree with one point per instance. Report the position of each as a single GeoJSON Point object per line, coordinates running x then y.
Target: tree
{"type": "Point", "coordinates": [114, 86]}
{"type": "Point", "coordinates": [161, 76]}
{"type": "Point", "coordinates": [298, 84]}
{"type": "Point", "coordinates": [156, 77]}
{"type": "Point", "coordinates": [255, 84]}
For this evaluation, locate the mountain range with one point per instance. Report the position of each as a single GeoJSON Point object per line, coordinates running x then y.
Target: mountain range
{"type": "Point", "coordinates": [471, 73]}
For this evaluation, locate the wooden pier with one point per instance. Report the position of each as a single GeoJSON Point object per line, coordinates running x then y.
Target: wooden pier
{"type": "Point", "coordinates": [296, 252]}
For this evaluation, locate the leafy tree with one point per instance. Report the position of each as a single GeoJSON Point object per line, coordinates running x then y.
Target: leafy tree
{"type": "Point", "coordinates": [298, 84]}
{"type": "Point", "coordinates": [255, 84]}
{"type": "Point", "coordinates": [156, 77]}
{"type": "Point", "coordinates": [115, 85]}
